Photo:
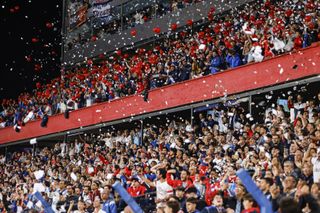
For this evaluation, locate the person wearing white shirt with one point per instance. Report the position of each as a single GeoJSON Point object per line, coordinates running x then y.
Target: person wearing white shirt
{"type": "Point", "coordinates": [126, 137]}
{"type": "Point", "coordinates": [119, 137]}
{"type": "Point", "coordinates": [298, 106]}
{"type": "Point", "coordinates": [29, 117]}
{"type": "Point", "coordinates": [97, 206]}
{"type": "Point", "coordinates": [77, 146]}
{"type": "Point", "coordinates": [138, 18]}
{"type": "Point", "coordinates": [316, 167]}
{"type": "Point", "coordinates": [85, 195]}
{"type": "Point", "coordinates": [163, 189]}
{"type": "Point", "coordinates": [108, 140]}
{"type": "Point", "coordinates": [62, 106]}
{"type": "Point", "coordinates": [280, 111]}
{"type": "Point", "coordinates": [63, 147]}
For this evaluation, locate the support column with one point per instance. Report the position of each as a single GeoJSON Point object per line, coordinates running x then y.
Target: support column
{"type": "Point", "coordinates": [155, 8]}
{"type": "Point", "coordinates": [141, 130]}
{"type": "Point", "coordinates": [191, 116]}
{"type": "Point", "coordinates": [63, 30]}
{"type": "Point", "coordinates": [250, 105]}
{"type": "Point", "coordinates": [65, 138]}
{"type": "Point", "coordinates": [6, 153]}
{"type": "Point", "coordinates": [33, 150]}
{"type": "Point", "coordinates": [121, 15]}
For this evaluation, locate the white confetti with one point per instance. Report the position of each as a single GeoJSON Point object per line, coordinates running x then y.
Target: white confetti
{"type": "Point", "coordinates": [281, 71]}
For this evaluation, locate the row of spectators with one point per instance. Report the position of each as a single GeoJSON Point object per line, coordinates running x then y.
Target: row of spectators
{"type": "Point", "coordinates": [177, 167]}
{"type": "Point", "coordinates": [250, 34]}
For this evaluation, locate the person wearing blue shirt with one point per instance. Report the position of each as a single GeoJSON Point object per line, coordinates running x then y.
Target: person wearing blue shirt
{"type": "Point", "coordinates": [185, 70]}
{"type": "Point", "coordinates": [150, 176]}
{"type": "Point", "coordinates": [174, 74]}
{"type": "Point", "coordinates": [233, 59]}
{"type": "Point", "coordinates": [17, 116]}
{"type": "Point", "coordinates": [109, 205]}
{"type": "Point", "coordinates": [306, 40]}
{"type": "Point", "coordinates": [216, 63]}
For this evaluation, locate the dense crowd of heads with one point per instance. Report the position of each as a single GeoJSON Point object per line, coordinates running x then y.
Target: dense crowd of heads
{"type": "Point", "coordinates": [243, 35]}
{"type": "Point", "coordinates": [177, 166]}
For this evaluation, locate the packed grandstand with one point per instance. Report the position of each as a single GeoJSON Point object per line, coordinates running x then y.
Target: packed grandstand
{"type": "Point", "coordinates": [177, 162]}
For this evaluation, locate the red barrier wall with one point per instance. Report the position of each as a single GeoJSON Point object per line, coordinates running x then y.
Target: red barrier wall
{"type": "Point", "coordinates": [248, 77]}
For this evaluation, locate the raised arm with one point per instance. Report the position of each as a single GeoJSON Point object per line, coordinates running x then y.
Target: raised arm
{"type": "Point", "coordinates": [147, 181]}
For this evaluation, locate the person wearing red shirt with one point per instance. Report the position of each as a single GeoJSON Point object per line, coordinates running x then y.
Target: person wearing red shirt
{"type": "Point", "coordinates": [211, 191]}
{"type": "Point", "coordinates": [249, 205]}
{"type": "Point", "coordinates": [95, 191]}
{"type": "Point", "coordinates": [248, 130]}
{"type": "Point", "coordinates": [298, 41]}
{"type": "Point", "coordinates": [136, 189]}
{"type": "Point", "coordinates": [184, 179]}
{"type": "Point", "coordinates": [212, 186]}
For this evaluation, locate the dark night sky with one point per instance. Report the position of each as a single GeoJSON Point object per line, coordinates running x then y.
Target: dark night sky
{"type": "Point", "coordinates": [21, 22]}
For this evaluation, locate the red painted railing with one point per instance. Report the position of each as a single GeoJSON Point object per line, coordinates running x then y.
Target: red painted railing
{"type": "Point", "coordinates": [278, 70]}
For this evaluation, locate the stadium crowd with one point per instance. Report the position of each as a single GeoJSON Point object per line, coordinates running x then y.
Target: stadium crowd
{"type": "Point", "coordinates": [243, 35]}
{"type": "Point", "coordinates": [177, 167]}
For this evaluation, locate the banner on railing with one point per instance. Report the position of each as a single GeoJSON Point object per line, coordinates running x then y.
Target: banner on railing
{"type": "Point", "coordinates": [101, 8]}
{"type": "Point", "coordinates": [78, 18]}
{"type": "Point", "coordinates": [101, 13]}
